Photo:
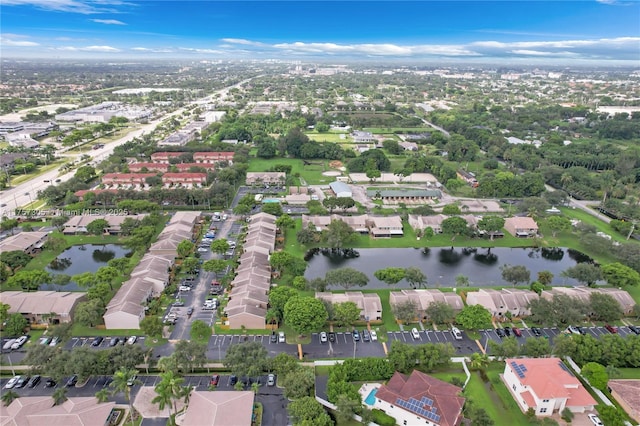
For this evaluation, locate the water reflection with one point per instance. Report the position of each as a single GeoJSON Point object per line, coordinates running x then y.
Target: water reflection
{"type": "Point", "coordinates": [103, 256]}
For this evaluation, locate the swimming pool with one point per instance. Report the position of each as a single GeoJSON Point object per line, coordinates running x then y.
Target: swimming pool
{"type": "Point", "coordinates": [270, 200]}
{"type": "Point", "coordinates": [371, 398]}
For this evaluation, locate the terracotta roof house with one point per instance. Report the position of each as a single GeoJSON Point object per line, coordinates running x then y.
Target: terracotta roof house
{"type": "Point", "coordinates": [522, 227]}
{"type": "Point", "coordinates": [148, 167]}
{"type": "Point", "coordinates": [42, 307]}
{"type": "Point", "coordinates": [82, 192]}
{"type": "Point", "coordinates": [163, 157]}
{"type": "Point", "coordinates": [40, 411]}
{"type": "Point", "coordinates": [419, 399]}
{"type": "Point", "coordinates": [627, 393]}
{"type": "Point", "coordinates": [186, 179]}
{"type": "Point", "coordinates": [185, 167]}
{"type": "Point", "coordinates": [220, 408]}
{"type": "Point", "coordinates": [28, 242]}
{"type": "Point", "coordinates": [546, 385]}
{"type": "Point", "coordinates": [425, 297]}
{"type": "Point", "coordinates": [213, 157]}
{"type": "Point", "coordinates": [369, 303]}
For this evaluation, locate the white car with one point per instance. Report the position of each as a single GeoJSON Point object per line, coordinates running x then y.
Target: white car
{"type": "Point", "coordinates": [12, 382]}
{"type": "Point", "coordinates": [595, 420]}
{"type": "Point", "coordinates": [323, 337]}
{"type": "Point", "coordinates": [374, 336]}
{"type": "Point", "coordinates": [131, 340]}
{"type": "Point", "coordinates": [271, 380]}
{"type": "Point", "coordinates": [415, 333]}
{"type": "Point", "coordinates": [18, 343]}
{"type": "Point", "coordinates": [202, 249]}
{"type": "Point", "coordinates": [184, 288]}
{"type": "Point", "coordinates": [281, 338]}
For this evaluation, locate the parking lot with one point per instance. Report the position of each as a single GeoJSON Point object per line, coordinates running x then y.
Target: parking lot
{"type": "Point", "coordinates": [105, 344]}
{"type": "Point", "coordinates": [463, 347]}
{"type": "Point", "coordinates": [218, 344]}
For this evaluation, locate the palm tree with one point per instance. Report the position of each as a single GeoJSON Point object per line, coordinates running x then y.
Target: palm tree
{"type": "Point", "coordinates": [479, 361]}
{"type": "Point", "coordinates": [255, 387]}
{"type": "Point", "coordinates": [59, 396]}
{"type": "Point", "coordinates": [8, 397]}
{"type": "Point", "coordinates": [120, 383]}
{"type": "Point", "coordinates": [102, 395]}
{"type": "Point", "coordinates": [462, 281]}
{"type": "Point", "coordinates": [169, 390]}
{"type": "Point", "coordinates": [163, 397]}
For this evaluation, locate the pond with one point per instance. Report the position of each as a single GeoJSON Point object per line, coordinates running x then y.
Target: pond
{"type": "Point", "coordinates": [82, 258]}
{"type": "Point", "coordinates": [442, 265]}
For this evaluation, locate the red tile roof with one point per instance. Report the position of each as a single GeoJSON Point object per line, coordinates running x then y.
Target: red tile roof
{"type": "Point", "coordinates": [81, 193]}
{"type": "Point", "coordinates": [166, 154]}
{"type": "Point", "coordinates": [187, 166]}
{"type": "Point", "coordinates": [549, 378]}
{"type": "Point", "coordinates": [128, 176]}
{"type": "Point", "coordinates": [446, 402]}
{"type": "Point", "coordinates": [184, 176]}
{"type": "Point", "coordinates": [150, 166]}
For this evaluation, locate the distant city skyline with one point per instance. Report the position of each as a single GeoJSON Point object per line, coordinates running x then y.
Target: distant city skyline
{"type": "Point", "coordinates": [605, 32]}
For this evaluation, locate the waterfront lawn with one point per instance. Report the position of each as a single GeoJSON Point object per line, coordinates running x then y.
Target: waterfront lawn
{"type": "Point", "coordinates": [312, 174]}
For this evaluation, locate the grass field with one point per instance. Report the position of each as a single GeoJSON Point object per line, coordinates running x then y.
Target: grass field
{"type": "Point", "coordinates": [16, 180]}
{"type": "Point", "coordinates": [312, 174]}
{"type": "Point", "coordinates": [335, 137]}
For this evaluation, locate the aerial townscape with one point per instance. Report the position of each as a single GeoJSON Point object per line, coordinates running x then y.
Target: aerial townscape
{"type": "Point", "coordinates": [342, 213]}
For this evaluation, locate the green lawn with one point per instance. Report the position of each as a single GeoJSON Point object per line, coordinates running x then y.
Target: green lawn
{"type": "Point", "coordinates": [330, 137]}
{"type": "Point", "coordinates": [629, 373]}
{"type": "Point", "coordinates": [312, 174]}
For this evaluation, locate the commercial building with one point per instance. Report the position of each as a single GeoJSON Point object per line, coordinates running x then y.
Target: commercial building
{"type": "Point", "coordinates": [341, 189]}
{"type": "Point", "coordinates": [368, 303]}
{"type": "Point", "coordinates": [546, 385]}
{"type": "Point", "coordinates": [104, 112]}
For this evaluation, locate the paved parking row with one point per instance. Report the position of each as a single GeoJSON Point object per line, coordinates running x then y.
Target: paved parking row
{"type": "Point", "coordinates": [105, 344]}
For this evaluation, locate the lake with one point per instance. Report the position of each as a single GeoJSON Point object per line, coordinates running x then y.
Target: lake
{"type": "Point", "coordinates": [442, 265]}
{"type": "Point", "coordinates": [82, 258]}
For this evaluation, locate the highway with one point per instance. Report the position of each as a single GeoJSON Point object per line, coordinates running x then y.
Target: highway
{"type": "Point", "coordinates": [27, 192]}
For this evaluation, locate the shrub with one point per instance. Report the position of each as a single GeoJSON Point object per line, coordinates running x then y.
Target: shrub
{"type": "Point", "coordinates": [382, 418]}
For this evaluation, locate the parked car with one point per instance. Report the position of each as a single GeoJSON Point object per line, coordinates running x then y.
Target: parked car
{"type": "Point", "coordinates": [233, 380]}
{"type": "Point", "coordinates": [8, 344]}
{"type": "Point", "coordinates": [22, 382]}
{"type": "Point", "coordinates": [178, 302]}
{"type": "Point", "coordinates": [507, 331]}
{"type": "Point", "coordinates": [611, 328]}
{"type": "Point", "coordinates": [366, 336]}
{"type": "Point", "coordinates": [132, 380]}
{"type": "Point", "coordinates": [500, 332]}
{"type": "Point", "coordinates": [356, 335]}
{"type": "Point", "coordinates": [49, 383]}
{"type": "Point", "coordinates": [274, 337]}
{"type": "Point", "coordinates": [415, 333]}
{"type": "Point", "coordinates": [332, 337]}
{"type": "Point", "coordinates": [323, 337]}
{"type": "Point", "coordinates": [45, 340]}
{"type": "Point", "coordinates": [536, 331]}
{"type": "Point", "coordinates": [34, 381]}
{"type": "Point", "coordinates": [214, 380]}
{"type": "Point", "coordinates": [271, 380]}
{"type": "Point", "coordinates": [374, 336]}
{"type": "Point", "coordinates": [72, 381]}
{"type": "Point", "coordinates": [281, 337]}
{"type": "Point", "coordinates": [54, 341]}
{"type": "Point", "coordinates": [573, 330]}
{"type": "Point", "coordinates": [634, 329]}
{"type": "Point", "coordinates": [184, 288]}
{"type": "Point", "coordinates": [131, 340]}
{"type": "Point", "coordinates": [114, 341]}
{"type": "Point", "coordinates": [18, 343]}
{"type": "Point", "coordinates": [97, 341]}
{"type": "Point", "coordinates": [517, 331]}
{"type": "Point", "coordinates": [582, 330]}
{"type": "Point", "coordinates": [202, 249]}
{"type": "Point", "coordinates": [595, 420]}
{"type": "Point", "coordinates": [12, 382]}
{"type": "Point", "coordinates": [457, 334]}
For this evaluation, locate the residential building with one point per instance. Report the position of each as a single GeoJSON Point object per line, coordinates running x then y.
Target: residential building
{"type": "Point", "coordinates": [220, 408]}
{"type": "Point", "coordinates": [423, 298]}
{"type": "Point", "coordinates": [362, 137]}
{"type": "Point", "coordinates": [78, 224]}
{"type": "Point", "coordinates": [213, 156]}
{"type": "Point", "coordinates": [148, 167]}
{"type": "Point", "coordinates": [415, 196]}
{"type": "Point", "coordinates": [385, 226]}
{"type": "Point", "coordinates": [368, 303]}
{"type": "Point", "coordinates": [499, 302]}
{"type": "Point", "coordinates": [546, 385]}
{"type": "Point", "coordinates": [184, 179]}
{"type": "Point", "coordinates": [623, 298]}
{"type": "Point", "coordinates": [341, 189]}
{"type": "Point", "coordinates": [186, 167]}
{"type": "Point", "coordinates": [419, 399]}
{"type": "Point", "coordinates": [468, 177]}
{"type": "Point", "coordinates": [82, 192]}
{"type": "Point", "coordinates": [43, 307]}
{"type": "Point", "coordinates": [40, 411]}
{"type": "Point", "coordinates": [164, 157]}
{"type": "Point", "coordinates": [128, 179]}
{"type": "Point", "coordinates": [423, 222]}
{"type": "Point", "coordinates": [522, 227]}
{"type": "Point", "coordinates": [28, 242]}
{"type": "Point", "coordinates": [266, 178]}
{"type": "Point", "coordinates": [376, 226]}
{"type": "Point", "coordinates": [409, 146]}
{"type": "Point", "coordinates": [627, 393]}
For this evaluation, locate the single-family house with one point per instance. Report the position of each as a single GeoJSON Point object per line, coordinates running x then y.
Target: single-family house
{"type": "Point", "coordinates": [521, 227]}
{"type": "Point", "coordinates": [362, 137]}
{"type": "Point", "coordinates": [546, 385]}
{"type": "Point", "coordinates": [419, 399]}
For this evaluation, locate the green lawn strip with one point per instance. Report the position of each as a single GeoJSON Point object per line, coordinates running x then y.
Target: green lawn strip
{"type": "Point", "coordinates": [16, 180]}
{"type": "Point", "coordinates": [629, 373]}
{"type": "Point", "coordinates": [333, 137]}
{"type": "Point", "coordinates": [599, 224]}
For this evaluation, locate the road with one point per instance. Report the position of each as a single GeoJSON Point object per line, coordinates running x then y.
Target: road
{"type": "Point", "coordinates": [26, 192]}
{"type": "Point", "coordinates": [584, 205]}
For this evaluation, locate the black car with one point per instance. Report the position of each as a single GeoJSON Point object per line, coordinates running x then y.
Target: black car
{"type": "Point", "coordinates": [50, 383]}
{"type": "Point", "coordinates": [365, 335]}
{"type": "Point", "coordinates": [34, 381]}
{"type": "Point", "coordinates": [582, 330]}
{"type": "Point", "coordinates": [356, 335]}
{"type": "Point", "coordinates": [97, 341]}
{"type": "Point", "coordinates": [635, 329]}
{"type": "Point", "coordinates": [507, 331]}
{"type": "Point", "coordinates": [114, 341]}
{"type": "Point", "coordinates": [500, 332]}
{"type": "Point", "coordinates": [536, 331]}
{"type": "Point", "coordinates": [233, 380]}
{"type": "Point", "coordinates": [332, 337]}
{"type": "Point", "coordinates": [273, 338]}
{"type": "Point", "coordinates": [72, 381]}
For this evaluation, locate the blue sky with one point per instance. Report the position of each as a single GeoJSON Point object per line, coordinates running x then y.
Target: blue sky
{"type": "Point", "coordinates": [557, 32]}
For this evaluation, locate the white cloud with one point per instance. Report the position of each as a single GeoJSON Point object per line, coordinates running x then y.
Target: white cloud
{"type": "Point", "coordinates": [109, 21]}
{"type": "Point", "coordinates": [242, 41]}
{"type": "Point", "coordinates": [102, 49]}
{"type": "Point", "coordinates": [541, 53]}
{"type": "Point", "coordinates": [148, 50]}
{"type": "Point", "coordinates": [373, 49]}
{"type": "Point", "coordinates": [75, 6]}
{"type": "Point", "coordinates": [16, 43]}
